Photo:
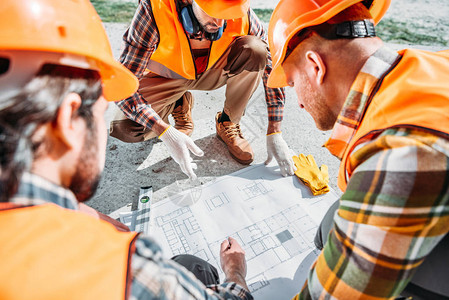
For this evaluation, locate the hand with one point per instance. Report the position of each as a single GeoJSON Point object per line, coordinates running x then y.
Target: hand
{"type": "Point", "coordinates": [178, 145]}
{"type": "Point", "coordinates": [277, 147]}
{"type": "Point", "coordinates": [233, 263]}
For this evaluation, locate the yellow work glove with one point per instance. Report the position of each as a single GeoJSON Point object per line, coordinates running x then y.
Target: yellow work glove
{"type": "Point", "coordinates": [315, 178]}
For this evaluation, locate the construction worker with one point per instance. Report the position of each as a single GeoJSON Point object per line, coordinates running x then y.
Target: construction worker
{"type": "Point", "coordinates": [389, 112]}
{"type": "Point", "coordinates": [56, 74]}
{"type": "Point", "coordinates": [174, 46]}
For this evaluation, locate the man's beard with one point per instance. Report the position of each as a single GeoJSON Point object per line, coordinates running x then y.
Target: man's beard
{"type": "Point", "coordinates": [87, 176]}
{"type": "Point", "coordinates": [317, 106]}
{"type": "Point", "coordinates": [207, 27]}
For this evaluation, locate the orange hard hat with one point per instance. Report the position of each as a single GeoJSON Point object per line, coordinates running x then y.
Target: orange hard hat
{"type": "Point", "coordinates": [291, 16]}
{"type": "Point", "coordinates": [70, 30]}
{"type": "Point", "coordinates": [224, 9]}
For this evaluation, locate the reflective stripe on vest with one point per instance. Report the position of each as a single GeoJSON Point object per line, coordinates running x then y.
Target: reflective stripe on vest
{"type": "Point", "coordinates": [414, 94]}
{"type": "Point", "coordinates": [173, 51]}
{"type": "Point", "coordinates": [48, 252]}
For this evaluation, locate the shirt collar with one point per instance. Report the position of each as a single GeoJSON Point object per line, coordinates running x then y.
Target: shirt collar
{"type": "Point", "coordinates": [36, 190]}
{"type": "Point", "coordinates": [375, 68]}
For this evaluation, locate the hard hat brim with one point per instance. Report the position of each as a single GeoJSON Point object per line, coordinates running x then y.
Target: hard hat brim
{"type": "Point", "coordinates": [118, 82]}
{"type": "Point", "coordinates": [225, 10]}
{"type": "Point", "coordinates": [277, 78]}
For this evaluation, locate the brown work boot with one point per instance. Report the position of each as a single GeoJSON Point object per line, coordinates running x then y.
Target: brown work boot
{"type": "Point", "coordinates": [183, 115]}
{"type": "Point", "coordinates": [238, 147]}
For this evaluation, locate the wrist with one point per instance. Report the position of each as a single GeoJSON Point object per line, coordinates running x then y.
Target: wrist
{"type": "Point", "coordinates": [273, 133]}
{"type": "Point", "coordinates": [159, 127]}
{"type": "Point", "coordinates": [237, 278]}
{"type": "Point", "coordinates": [274, 127]}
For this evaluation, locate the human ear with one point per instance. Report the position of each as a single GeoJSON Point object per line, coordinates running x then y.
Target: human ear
{"type": "Point", "coordinates": [68, 128]}
{"type": "Point", "coordinates": [315, 67]}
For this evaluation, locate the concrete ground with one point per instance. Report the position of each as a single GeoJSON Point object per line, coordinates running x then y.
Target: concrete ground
{"type": "Point", "coordinates": [130, 166]}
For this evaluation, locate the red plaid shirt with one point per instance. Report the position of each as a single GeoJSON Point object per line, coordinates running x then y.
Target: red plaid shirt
{"type": "Point", "coordinates": [141, 40]}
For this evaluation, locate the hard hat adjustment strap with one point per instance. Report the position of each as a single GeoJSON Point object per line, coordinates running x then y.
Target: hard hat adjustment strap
{"type": "Point", "coordinates": [348, 29]}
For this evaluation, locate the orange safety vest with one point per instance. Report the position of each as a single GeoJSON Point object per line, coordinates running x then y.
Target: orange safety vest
{"type": "Point", "coordinates": [415, 94]}
{"type": "Point", "coordinates": [173, 51]}
{"type": "Point", "coordinates": [49, 252]}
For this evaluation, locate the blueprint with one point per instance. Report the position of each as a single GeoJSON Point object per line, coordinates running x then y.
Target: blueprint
{"type": "Point", "coordinates": [274, 219]}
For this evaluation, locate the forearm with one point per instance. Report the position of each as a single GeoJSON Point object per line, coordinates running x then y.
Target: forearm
{"type": "Point", "coordinates": [238, 279]}
{"type": "Point", "coordinates": [274, 127]}
{"type": "Point", "coordinates": [138, 110]}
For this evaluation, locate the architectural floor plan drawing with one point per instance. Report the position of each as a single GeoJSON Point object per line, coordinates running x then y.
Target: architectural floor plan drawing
{"type": "Point", "coordinates": [274, 219]}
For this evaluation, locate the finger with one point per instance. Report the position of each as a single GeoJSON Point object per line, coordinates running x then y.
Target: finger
{"type": "Point", "coordinates": [296, 160]}
{"type": "Point", "coordinates": [183, 164]}
{"type": "Point", "coordinates": [187, 165]}
{"type": "Point", "coordinates": [325, 172]}
{"type": "Point", "coordinates": [233, 241]}
{"type": "Point", "coordinates": [194, 148]}
{"type": "Point", "coordinates": [291, 168]}
{"type": "Point", "coordinates": [193, 177]}
{"type": "Point", "coordinates": [183, 168]}
{"type": "Point", "coordinates": [283, 168]}
{"type": "Point", "coordinates": [324, 169]}
{"type": "Point", "coordinates": [235, 245]}
{"type": "Point", "coordinates": [224, 245]}
{"type": "Point", "coordinates": [189, 169]}
{"type": "Point", "coordinates": [311, 159]}
{"type": "Point", "coordinates": [269, 158]}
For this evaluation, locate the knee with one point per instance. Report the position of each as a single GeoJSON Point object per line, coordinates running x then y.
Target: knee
{"type": "Point", "coordinates": [250, 52]}
{"type": "Point", "coordinates": [127, 131]}
{"type": "Point", "coordinates": [254, 48]}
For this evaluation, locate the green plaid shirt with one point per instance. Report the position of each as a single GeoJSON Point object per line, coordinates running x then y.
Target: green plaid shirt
{"type": "Point", "coordinates": [395, 208]}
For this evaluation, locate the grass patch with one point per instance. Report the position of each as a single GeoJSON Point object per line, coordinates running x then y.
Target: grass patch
{"type": "Point", "coordinates": [263, 14]}
{"type": "Point", "coordinates": [113, 11]}
{"type": "Point", "coordinates": [402, 32]}
{"type": "Point", "coordinates": [389, 30]}
{"type": "Point", "coordinates": [393, 31]}
{"type": "Point", "coordinates": [122, 12]}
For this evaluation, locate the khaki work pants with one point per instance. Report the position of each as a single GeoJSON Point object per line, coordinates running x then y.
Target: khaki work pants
{"type": "Point", "coordinates": [240, 67]}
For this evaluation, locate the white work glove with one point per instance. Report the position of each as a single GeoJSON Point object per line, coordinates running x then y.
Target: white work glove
{"type": "Point", "coordinates": [277, 147]}
{"type": "Point", "coordinates": [178, 145]}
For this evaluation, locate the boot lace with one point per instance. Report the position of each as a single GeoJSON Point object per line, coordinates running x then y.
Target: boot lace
{"type": "Point", "coordinates": [233, 130]}
{"type": "Point", "coordinates": [180, 116]}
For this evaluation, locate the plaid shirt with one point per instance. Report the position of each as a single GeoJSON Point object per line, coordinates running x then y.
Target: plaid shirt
{"type": "Point", "coordinates": [154, 277]}
{"type": "Point", "coordinates": [141, 40]}
{"type": "Point", "coordinates": [395, 208]}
